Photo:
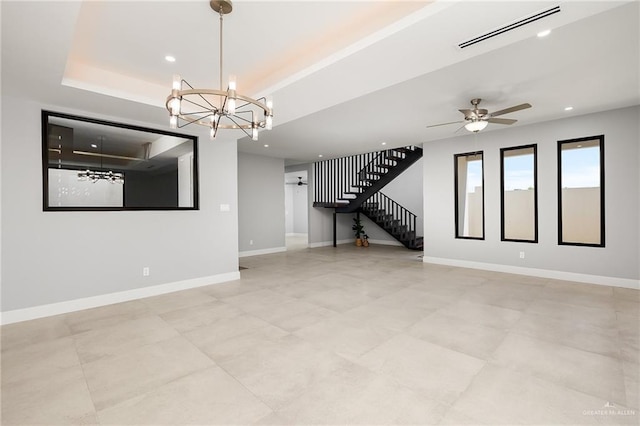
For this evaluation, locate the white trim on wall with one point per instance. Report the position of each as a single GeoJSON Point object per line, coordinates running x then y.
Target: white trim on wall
{"type": "Point", "coordinates": [248, 253]}
{"type": "Point", "coordinates": [352, 241]}
{"type": "Point", "coordinates": [41, 311]}
{"type": "Point", "coordinates": [330, 243]}
{"type": "Point", "coordinates": [534, 272]}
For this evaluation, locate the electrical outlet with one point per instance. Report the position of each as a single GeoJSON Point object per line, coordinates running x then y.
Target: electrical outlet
{"type": "Point", "coordinates": [250, 242]}
{"type": "Point", "coordinates": [145, 271]}
{"type": "Point", "coordinates": [521, 255]}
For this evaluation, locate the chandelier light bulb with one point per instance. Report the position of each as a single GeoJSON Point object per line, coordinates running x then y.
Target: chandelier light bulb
{"type": "Point", "coordinates": [177, 82]}
{"type": "Point", "coordinates": [231, 106]}
{"type": "Point", "coordinates": [254, 133]}
{"type": "Point", "coordinates": [174, 104]}
{"type": "Point", "coordinates": [232, 82]}
{"type": "Point", "coordinates": [173, 121]}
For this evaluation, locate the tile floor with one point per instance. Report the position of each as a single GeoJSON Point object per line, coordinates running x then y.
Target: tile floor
{"type": "Point", "coordinates": [336, 336]}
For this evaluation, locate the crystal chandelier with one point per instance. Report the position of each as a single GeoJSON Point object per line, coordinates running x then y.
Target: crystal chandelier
{"type": "Point", "coordinates": [217, 108]}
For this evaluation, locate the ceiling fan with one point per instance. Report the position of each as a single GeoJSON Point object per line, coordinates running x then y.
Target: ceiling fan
{"type": "Point", "coordinates": [299, 182]}
{"type": "Point", "coordinates": [476, 119]}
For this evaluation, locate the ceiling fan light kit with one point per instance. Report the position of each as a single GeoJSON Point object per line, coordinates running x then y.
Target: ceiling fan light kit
{"type": "Point", "coordinates": [476, 126]}
{"type": "Point", "coordinates": [476, 119]}
{"type": "Point", "coordinates": [218, 108]}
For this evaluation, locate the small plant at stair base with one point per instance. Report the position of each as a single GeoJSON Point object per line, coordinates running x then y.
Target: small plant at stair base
{"type": "Point", "coordinates": [358, 229]}
{"type": "Point", "coordinates": [365, 240]}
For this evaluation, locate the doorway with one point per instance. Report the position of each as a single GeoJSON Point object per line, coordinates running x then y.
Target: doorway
{"type": "Point", "coordinates": [296, 210]}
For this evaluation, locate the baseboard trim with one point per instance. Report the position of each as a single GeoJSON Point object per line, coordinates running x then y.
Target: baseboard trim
{"type": "Point", "coordinates": [295, 234]}
{"type": "Point", "coordinates": [330, 243]}
{"type": "Point", "coordinates": [26, 314]}
{"type": "Point", "coordinates": [262, 251]}
{"type": "Point", "coordinates": [385, 242]}
{"type": "Point", "coordinates": [534, 272]}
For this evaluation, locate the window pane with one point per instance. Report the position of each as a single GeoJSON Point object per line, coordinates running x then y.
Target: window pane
{"type": "Point", "coordinates": [581, 191]}
{"type": "Point", "coordinates": [469, 198]}
{"type": "Point", "coordinates": [519, 194]}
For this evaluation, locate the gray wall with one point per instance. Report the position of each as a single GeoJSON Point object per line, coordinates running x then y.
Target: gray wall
{"type": "Point", "coordinates": [260, 202]}
{"type": "Point", "coordinates": [620, 256]}
{"type": "Point", "coordinates": [50, 257]}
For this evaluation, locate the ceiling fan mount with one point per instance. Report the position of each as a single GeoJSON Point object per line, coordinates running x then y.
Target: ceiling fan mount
{"type": "Point", "coordinates": [476, 119]}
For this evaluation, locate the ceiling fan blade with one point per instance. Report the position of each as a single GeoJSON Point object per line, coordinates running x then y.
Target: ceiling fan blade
{"type": "Point", "coordinates": [511, 109]}
{"type": "Point", "coordinates": [502, 120]}
{"type": "Point", "coordinates": [445, 124]}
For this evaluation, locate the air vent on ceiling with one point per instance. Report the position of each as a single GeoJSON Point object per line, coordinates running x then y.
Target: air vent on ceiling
{"type": "Point", "coordinates": [520, 22]}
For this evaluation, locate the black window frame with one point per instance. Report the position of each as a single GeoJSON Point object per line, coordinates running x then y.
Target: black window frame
{"type": "Point", "coordinates": [535, 193]}
{"type": "Point", "coordinates": [600, 138]}
{"type": "Point", "coordinates": [45, 114]}
{"type": "Point", "coordinates": [456, 204]}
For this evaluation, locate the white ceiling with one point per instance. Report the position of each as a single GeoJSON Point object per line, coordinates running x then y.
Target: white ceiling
{"type": "Point", "coordinates": [344, 76]}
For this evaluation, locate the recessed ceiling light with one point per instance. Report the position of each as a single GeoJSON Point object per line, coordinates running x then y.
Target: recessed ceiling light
{"type": "Point", "coordinates": [320, 155]}
{"type": "Point", "coordinates": [266, 145]}
{"type": "Point", "coordinates": [93, 145]}
{"type": "Point", "coordinates": [569, 108]}
{"type": "Point", "coordinates": [544, 33]}
{"type": "Point", "coordinates": [384, 143]}
{"type": "Point", "coordinates": [170, 58]}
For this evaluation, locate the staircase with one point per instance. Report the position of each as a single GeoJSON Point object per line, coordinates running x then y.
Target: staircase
{"type": "Point", "coordinates": [399, 222]}
{"type": "Point", "coordinates": [353, 184]}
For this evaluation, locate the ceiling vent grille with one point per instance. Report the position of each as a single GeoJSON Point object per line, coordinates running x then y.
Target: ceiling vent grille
{"type": "Point", "coordinates": [520, 22]}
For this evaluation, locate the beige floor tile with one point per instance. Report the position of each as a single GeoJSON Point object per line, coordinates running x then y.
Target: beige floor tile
{"type": "Point", "coordinates": [206, 397]}
{"type": "Point", "coordinates": [395, 319]}
{"type": "Point", "coordinates": [258, 300]}
{"type": "Point", "coordinates": [571, 332]}
{"type": "Point", "coordinates": [588, 295]}
{"type": "Point", "coordinates": [455, 418]}
{"type": "Point", "coordinates": [632, 390]}
{"type": "Point", "coordinates": [140, 370]}
{"type": "Point", "coordinates": [39, 360]}
{"type": "Point", "coordinates": [339, 299]}
{"type": "Point", "coordinates": [229, 289]}
{"type": "Point", "coordinates": [177, 300]}
{"type": "Point", "coordinates": [105, 316]}
{"type": "Point", "coordinates": [231, 337]}
{"type": "Point", "coordinates": [353, 395]}
{"type": "Point", "coordinates": [336, 336]}
{"type": "Point", "coordinates": [231, 348]}
{"type": "Point", "coordinates": [586, 372]}
{"type": "Point", "coordinates": [435, 372]}
{"type": "Point", "coordinates": [58, 398]}
{"type": "Point", "coordinates": [503, 294]}
{"type": "Point", "coordinates": [300, 288]}
{"type": "Point", "coordinates": [193, 317]}
{"type": "Point", "coordinates": [348, 337]}
{"type": "Point", "coordinates": [603, 318]}
{"type": "Point", "coordinates": [293, 315]}
{"type": "Point", "coordinates": [500, 396]}
{"type": "Point", "coordinates": [279, 371]}
{"type": "Point", "coordinates": [482, 314]}
{"type": "Point", "coordinates": [121, 337]}
{"type": "Point", "coordinates": [410, 298]}
{"type": "Point", "coordinates": [472, 339]}
{"type": "Point", "coordinates": [25, 333]}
